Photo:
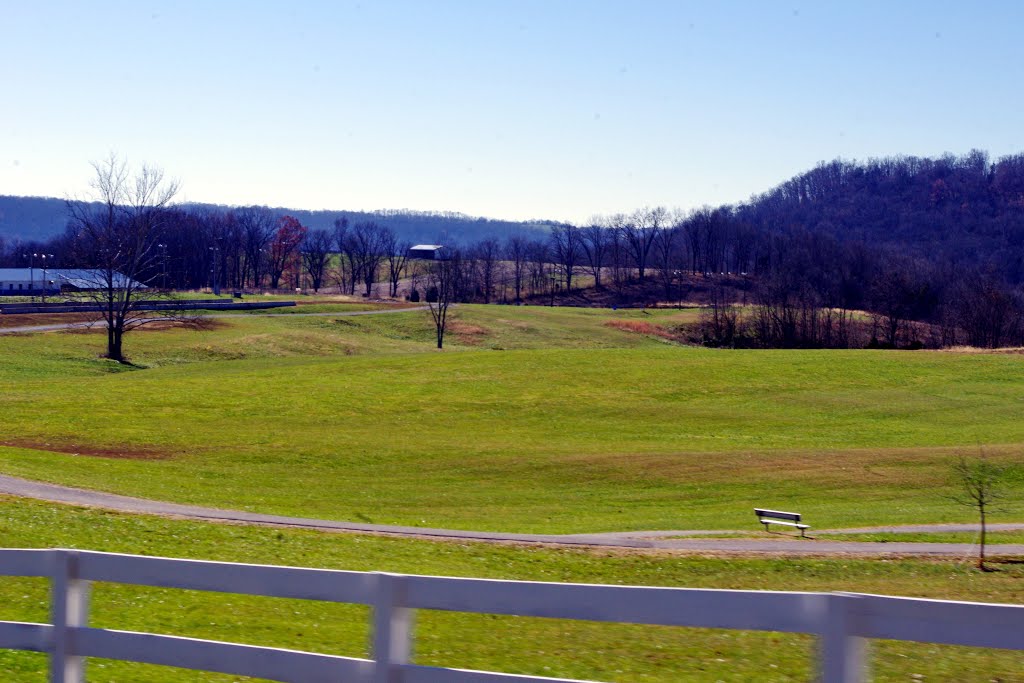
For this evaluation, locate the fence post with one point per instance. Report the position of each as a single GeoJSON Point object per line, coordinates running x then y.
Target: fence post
{"type": "Point", "coordinates": [392, 628]}
{"type": "Point", "coordinates": [69, 608]}
{"type": "Point", "coordinates": [842, 655]}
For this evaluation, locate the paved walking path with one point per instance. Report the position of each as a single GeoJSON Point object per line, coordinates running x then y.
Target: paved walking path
{"type": "Point", "coordinates": [24, 329]}
{"type": "Point", "coordinates": [688, 541]}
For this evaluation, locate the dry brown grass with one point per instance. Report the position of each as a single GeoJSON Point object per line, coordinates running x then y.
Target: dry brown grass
{"type": "Point", "coordinates": [468, 333]}
{"type": "Point", "coordinates": [641, 327]}
{"type": "Point", "coordinates": [976, 349]}
{"type": "Point", "coordinates": [32, 319]}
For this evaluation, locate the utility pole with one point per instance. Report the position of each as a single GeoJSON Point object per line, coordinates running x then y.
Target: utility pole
{"type": "Point", "coordinates": [44, 257]}
{"type": "Point", "coordinates": [31, 275]}
{"type": "Point", "coordinates": [163, 253]}
{"type": "Point", "coordinates": [215, 267]}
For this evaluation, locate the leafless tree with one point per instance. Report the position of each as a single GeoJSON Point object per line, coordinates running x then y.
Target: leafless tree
{"type": "Point", "coordinates": [639, 233]}
{"type": "Point", "coordinates": [347, 274]}
{"type": "Point", "coordinates": [442, 286]}
{"type": "Point", "coordinates": [316, 251]}
{"type": "Point", "coordinates": [397, 254]}
{"type": "Point", "coordinates": [117, 232]}
{"type": "Point", "coordinates": [258, 225]}
{"type": "Point", "coordinates": [485, 257]}
{"type": "Point", "coordinates": [365, 248]}
{"type": "Point", "coordinates": [517, 252]}
{"type": "Point", "coordinates": [596, 244]}
{"type": "Point", "coordinates": [980, 484]}
{"type": "Point", "coordinates": [666, 252]}
{"type": "Point", "coordinates": [538, 266]}
{"type": "Point", "coordinates": [567, 250]}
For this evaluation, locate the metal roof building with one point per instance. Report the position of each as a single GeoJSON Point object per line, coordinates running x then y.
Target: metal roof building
{"type": "Point", "coordinates": [30, 281]}
{"type": "Point", "coordinates": [426, 251]}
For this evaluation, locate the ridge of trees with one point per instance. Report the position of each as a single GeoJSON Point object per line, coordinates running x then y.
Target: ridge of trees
{"type": "Point", "coordinates": [910, 241]}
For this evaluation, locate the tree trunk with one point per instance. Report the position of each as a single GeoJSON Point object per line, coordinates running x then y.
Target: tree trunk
{"type": "Point", "coordinates": [114, 344]}
{"type": "Point", "coordinates": [981, 549]}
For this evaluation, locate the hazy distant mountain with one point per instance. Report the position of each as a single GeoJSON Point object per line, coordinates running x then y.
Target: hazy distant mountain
{"type": "Point", "coordinates": [40, 218]}
{"type": "Point", "coordinates": [31, 218]}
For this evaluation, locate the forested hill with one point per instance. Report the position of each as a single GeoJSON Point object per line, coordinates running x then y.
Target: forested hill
{"type": "Point", "coordinates": [957, 211]}
{"type": "Point", "coordinates": [42, 218]}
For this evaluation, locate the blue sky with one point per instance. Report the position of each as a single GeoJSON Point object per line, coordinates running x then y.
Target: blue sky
{"type": "Point", "coordinates": [551, 109]}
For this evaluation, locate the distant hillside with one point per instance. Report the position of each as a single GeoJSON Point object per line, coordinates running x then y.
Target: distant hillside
{"type": "Point", "coordinates": [948, 211]}
{"type": "Point", "coordinates": [31, 218]}
{"type": "Point", "coordinates": [41, 218]}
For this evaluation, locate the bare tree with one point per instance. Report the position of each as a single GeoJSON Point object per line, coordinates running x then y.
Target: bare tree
{"type": "Point", "coordinates": [981, 488]}
{"type": "Point", "coordinates": [537, 264]}
{"type": "Point", "coordinates": [596, 245]}
{"type": "Point", "coordinates": [397, 254]}
{"type": "Point", "coordinates": [567, 250]}
{"type": "Point", "coordinates": [517, 250]}
{"type": "Point", "coordinates": [666, 251]}
{"type": "Point", "coordinates": [442, 286]}
{"type": "Point", "coordinates": [639, 233]}
{"type": "Point", "coordinates": [365, 248]}
{"type": "Point", "coordinates": [346, 264]}
{"type": "Point", "coordinates": [316, 250]}
{"type": "Point", "coordinates": [117, 232]}
{"type": "Point", "coordinates": [258, 225]}
{"type": "Point", "coordinates": [485, 258]}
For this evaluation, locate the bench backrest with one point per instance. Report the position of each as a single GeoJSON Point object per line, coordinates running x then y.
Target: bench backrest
{"type": "Point", "coordinates": [776, 514]}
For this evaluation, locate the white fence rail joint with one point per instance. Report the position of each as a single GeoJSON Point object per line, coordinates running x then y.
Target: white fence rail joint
{"type": "Point", "coordinates": [842, 622]}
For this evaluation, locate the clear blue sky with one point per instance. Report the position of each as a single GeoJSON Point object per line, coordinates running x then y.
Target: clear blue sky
{"type": "Point", "coordinates": [516, 109]}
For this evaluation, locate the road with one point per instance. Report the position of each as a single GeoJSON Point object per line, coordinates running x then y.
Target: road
{"type": "Point", "coordinates": [689, 541]}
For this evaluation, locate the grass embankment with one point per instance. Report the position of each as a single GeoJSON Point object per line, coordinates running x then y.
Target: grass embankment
{"type": "Point", "coordinates": [534, 646]}
{"type": "Point", "coordinates": [578, 426]}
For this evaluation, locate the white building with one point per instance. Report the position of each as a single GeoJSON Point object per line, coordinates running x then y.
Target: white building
{"type": "Point", "coordinates": [28, 281]}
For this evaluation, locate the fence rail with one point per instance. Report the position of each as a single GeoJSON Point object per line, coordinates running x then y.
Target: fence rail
{"type": "Point", "coordinates": [841, 621]}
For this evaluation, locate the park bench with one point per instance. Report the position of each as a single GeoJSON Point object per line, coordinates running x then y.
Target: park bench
{"type": "Point", "coordinates": [767, 517]}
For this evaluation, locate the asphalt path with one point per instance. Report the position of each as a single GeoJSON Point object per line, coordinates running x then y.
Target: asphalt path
{"type": "Point", "coordinates": [28, 329]}
{"type": "Point", "coordinates": [689, 541]}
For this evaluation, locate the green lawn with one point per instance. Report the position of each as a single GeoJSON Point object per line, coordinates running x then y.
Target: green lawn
{"type": "Point", "coordinates": [533, 646]}
{"type": "Point", "coordinates": [574, 425]}
{"type": "Point", "coordinates": [992, 537]}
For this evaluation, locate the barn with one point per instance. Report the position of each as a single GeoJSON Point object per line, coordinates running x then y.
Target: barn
{"type": "Point", "coordinates": [429, 252]}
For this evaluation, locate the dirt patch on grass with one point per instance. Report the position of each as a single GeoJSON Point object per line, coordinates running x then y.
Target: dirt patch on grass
{"type": "Point", "coordinates": [197, 323]}
{"type": "Point", "coordinates": [33, 319]}
{"type": "Point", "coordinates": [118, 452]}
{"type": "Point", "coordinates": [467, 333]}
{"type": "Point", "coordinates": [642, 327]}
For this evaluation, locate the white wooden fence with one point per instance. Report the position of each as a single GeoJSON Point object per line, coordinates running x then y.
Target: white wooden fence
{"type": "Point", "coordinates": [841, 621]}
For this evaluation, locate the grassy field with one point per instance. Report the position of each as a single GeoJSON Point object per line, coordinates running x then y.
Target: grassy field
{"type": "Point", "coordinates": [586, 420]}
{"type": "Point", "coordinates": [992, 537]}
{"type": "Point", "coordinates": [534, 646]}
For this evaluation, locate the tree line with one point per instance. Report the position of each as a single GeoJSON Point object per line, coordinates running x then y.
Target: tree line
{"type": "Point", "coordinates": [894, 252]}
